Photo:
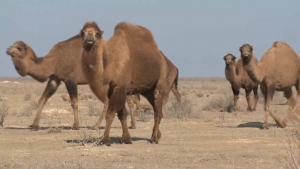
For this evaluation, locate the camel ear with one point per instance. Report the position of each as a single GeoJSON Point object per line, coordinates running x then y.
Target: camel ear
{"type": "Point", "coordinates": [233, 58]}
{"type": "Point", "coordinates": [101, 33]}
{"type": "Point", "coordinates": [252, 47]}
{"type": "Point", "coordinates": [240, 49]}
{"type": "Point", "coordinates": [224, 58]}
{"type": "Point", "coordinates": [81, 33]}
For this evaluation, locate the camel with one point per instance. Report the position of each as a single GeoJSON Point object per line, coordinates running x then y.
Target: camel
{"type": "Point", "coordinates": [62, 63]}
{"type": "Point", "coordinates": [238, 78]}
{"type": "Point", "coordinates": [278, 70]}
{"type": "Point", "coordinates": [128, 63]}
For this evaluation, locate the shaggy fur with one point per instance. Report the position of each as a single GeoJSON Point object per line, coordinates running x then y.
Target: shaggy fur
{"type": "Point", "coordinates": [238, 78]}
{"type": "Point", "coordinates": [278, 70]}
{"type": "Point", "coordinates": [134, 65]}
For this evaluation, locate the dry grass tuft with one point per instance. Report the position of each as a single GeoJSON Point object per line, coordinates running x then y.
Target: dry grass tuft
{"type": "Point", "coordinates": [34, 104]}
{"type": "Point", "coordinates": [223, 103]}
{"type": "Point", "coordinates": [3, 113]}
{"type": "Point", "coordinates": [94, 108]}
{"type": "Point", "coordinates": [199, 94]}
{"type": "Point", "coordinates": [177, 110]}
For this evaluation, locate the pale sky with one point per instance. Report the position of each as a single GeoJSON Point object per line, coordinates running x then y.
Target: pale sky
{"type": "Point", "coordinates": [193, 34]}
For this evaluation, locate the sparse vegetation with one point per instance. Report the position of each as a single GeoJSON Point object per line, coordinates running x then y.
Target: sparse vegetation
{"type": "Point", "coordinates": [199, 94]}
{"type": "Point", "coordinates": [222, 103]}
{"type": "Point", "coordinates": [27, 97]}
{"type": "Point", "coordinates": [94, 109]}
{"type": "Point", "coordinates": [177, 110]}
{"type": "Point", "coordinates": [3, 113]}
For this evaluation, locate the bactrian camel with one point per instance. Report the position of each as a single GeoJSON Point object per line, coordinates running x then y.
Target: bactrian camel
{"type": "Point", "coordinates": [278, 70]}
{"type": "Point", "coordinates": [128, 63]}
{"type": "Point", "coordinates": [62, 63]}
{"type": "Point", "coordinates": [238, 77]}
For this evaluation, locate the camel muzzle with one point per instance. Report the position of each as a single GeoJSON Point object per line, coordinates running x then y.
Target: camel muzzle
{"type": "Point", "coordinates": [90, 38]}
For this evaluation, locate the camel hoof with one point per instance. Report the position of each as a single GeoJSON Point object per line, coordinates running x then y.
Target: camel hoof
{"type": "Point", "coordinates": [132, 127]}
{"type": "Point", "coordinates": [249, 109]}
{"type": "Point", "coordinates": [34, 126]}
{"type": "Point", "coordinates": [75, 127]}
{"type": "Point", "coordinates": [94, 128]}
{"type": "Point", "coordinates": [104, 142]}
{"type": "Point", "coordinates": [254, 109]}
{"type": "Point", "coordinates": [125, 141]}
{"type": "Point", "coordinates": [265, 126]}
{"type": "Point", "coordinates": [152, 142]}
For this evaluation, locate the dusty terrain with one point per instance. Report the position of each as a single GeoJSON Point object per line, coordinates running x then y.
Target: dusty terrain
{"type": "Point", "coordinates": [200, 133]}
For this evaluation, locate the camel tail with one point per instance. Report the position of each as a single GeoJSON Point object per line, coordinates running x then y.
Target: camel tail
{"type": "Point", "coordinates": [175, 89]}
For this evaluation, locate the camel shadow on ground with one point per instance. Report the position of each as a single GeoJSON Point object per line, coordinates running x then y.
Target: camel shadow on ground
{"type": "Point", "coordinates": [46, 128]}
{"type": "Point", "coordinates": [113, 140]}
{"type": "Point", "coordinates": [254, 125]}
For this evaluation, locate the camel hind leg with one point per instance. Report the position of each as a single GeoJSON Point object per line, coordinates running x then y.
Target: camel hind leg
{"type": "Point", "coordinates": [155, 98]}
{"type": "Point", "coordinates": [255, 89]}
{"type": "Point", "coordinates": [176, 93]}
{"type": "Point", "coordinates": [131, 107]}
{"type": "Point", "coordinates": [51, 88]}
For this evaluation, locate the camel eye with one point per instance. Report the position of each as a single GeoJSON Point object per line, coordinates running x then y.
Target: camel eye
{"type": "Point", "coordinates": [19, 49]}
{"type": "Point", "coordinates": [98, 35]}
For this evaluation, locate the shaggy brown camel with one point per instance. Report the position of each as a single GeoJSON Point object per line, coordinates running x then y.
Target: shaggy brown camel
{"type": "Point", "coordinates": [129, 63]}
{"type": "Point", "coordinates": [238, 77]}
{"type": "Point", "coordinates": [278, 70]}
{"type": "Point", "coordinates": [62, 63]}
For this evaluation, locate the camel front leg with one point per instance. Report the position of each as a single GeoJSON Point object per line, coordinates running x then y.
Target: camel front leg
{"type": "Point", "coordinates": [255, 89]}
{"type": "Point", "coordinates": [236, 93]}
{"type": "Point", "coordinates": [73, 93]}
{"type": "Point", "coordinates": [51, 88]}
{"type": "Point", "coordinates": [248, 90]}
{"type": "Point", "coordinates": [98, 124]}
{"type": "Point", "coordinates": [268, 99]}
{"type": "Point", "coordinates": [116, 104]}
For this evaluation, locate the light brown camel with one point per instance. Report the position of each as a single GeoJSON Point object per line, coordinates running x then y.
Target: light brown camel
{"type": "Point", "coordinates": [129, 63]}
{"type": "Point", "coordinates": [62, 63]}
{"type": "Point", "coordinates": [238, 78]}
{"type": "Point", "coordinates": [278, 70]}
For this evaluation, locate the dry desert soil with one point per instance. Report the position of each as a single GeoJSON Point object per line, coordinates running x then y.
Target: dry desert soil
{"type": "Point", "coordinates": [199, 133]}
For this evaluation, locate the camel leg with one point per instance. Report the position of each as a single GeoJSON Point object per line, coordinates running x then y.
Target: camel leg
{"type": "Point", "coordinates": [248, 90]}
{"type": "Point", "coordinates": [155, 98]}
{"type": "Point", "coordinates": [131, 107]}
{"type": "Point", "coordinates": [51, 88]}
{"type": "Point", "coordinates": [122, 115]}
{"type": "Point", "coordinates": [269, 93]}
{"type": "Point", "coordinates": [255, 88]}
{"type": "Point", "coordinates": [288, 94]}
{"type": "Point", "coordinates": [116, 103]}
{"type": "Point", "coordinates": [235, 97]}
{"type": "Point", "coordinates": [176, 93]}
{"type": "Point", "coordinates": [73, 93]}
{"type": "Point", "coordinates": [98, 124]}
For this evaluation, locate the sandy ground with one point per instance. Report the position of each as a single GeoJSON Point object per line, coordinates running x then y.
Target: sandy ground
{"type": "Point", "coordinates": [204, 138]}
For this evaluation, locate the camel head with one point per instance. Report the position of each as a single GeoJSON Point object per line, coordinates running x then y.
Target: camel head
{"type": "Point", "coordinates": [21, 55]}
{"type": "Point", "coordinates": [229, 59]}
{"type": "Point", "coordinates": [246, 51]}
{"type": "Point", "coordinates": [90, 33]}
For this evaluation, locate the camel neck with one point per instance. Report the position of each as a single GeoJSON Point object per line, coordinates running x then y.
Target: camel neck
{"type": "Point", "coordinates": [254, 69]}
{"type": "Point", "coordinates": [42, 68]}
{"type": "Point", "coordinates": [231, 72]}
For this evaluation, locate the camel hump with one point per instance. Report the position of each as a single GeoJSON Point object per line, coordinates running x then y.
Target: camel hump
{"type": "Point", "coordinates": [279, 44]}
